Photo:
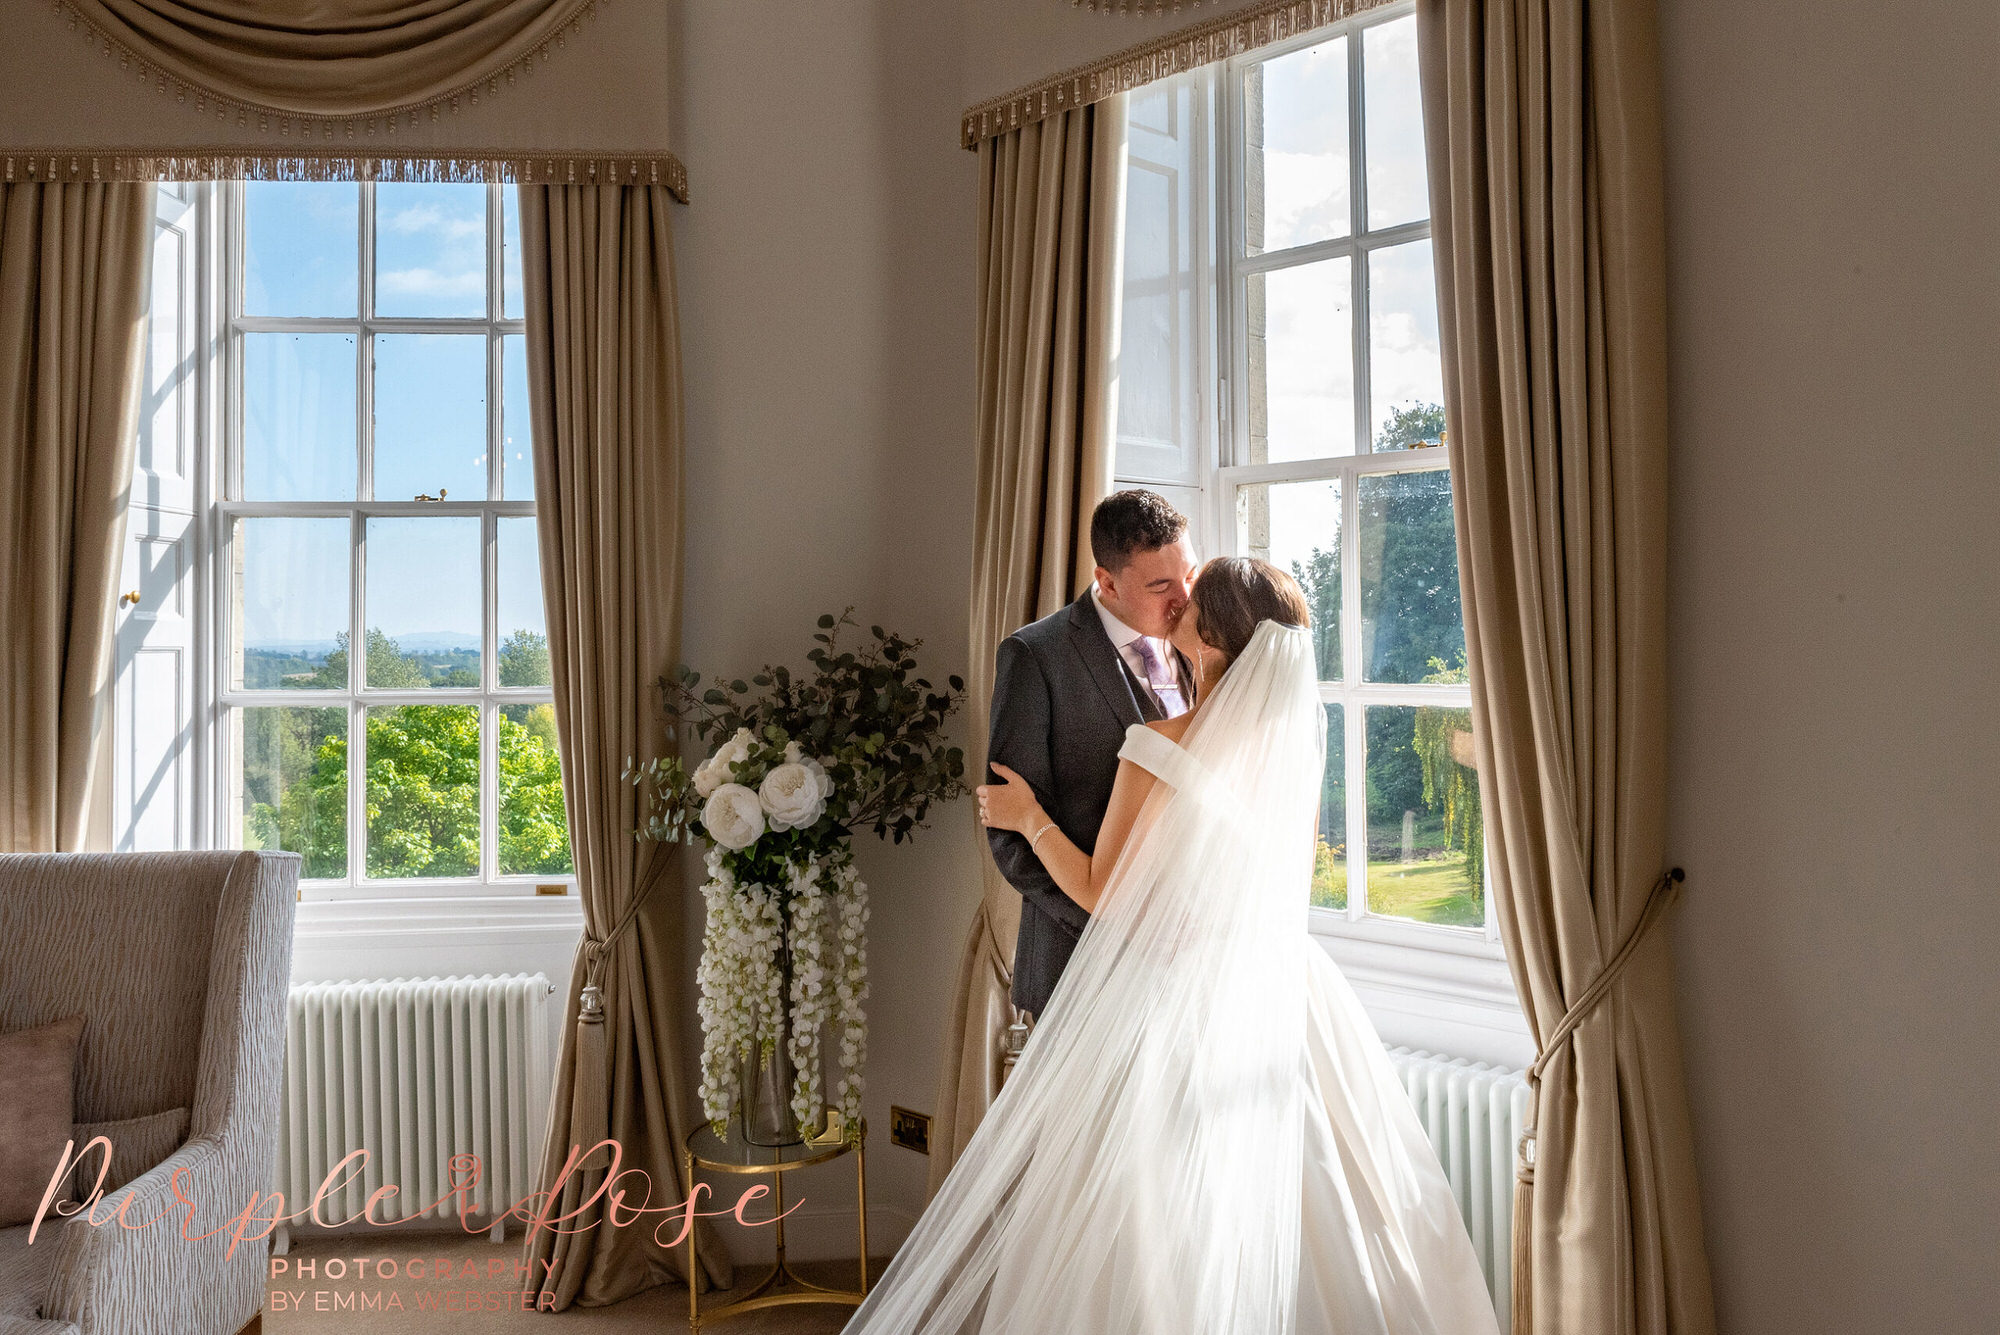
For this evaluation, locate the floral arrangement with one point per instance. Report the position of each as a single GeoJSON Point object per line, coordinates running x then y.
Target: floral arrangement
{"type": "Point", "coordinates": [797, 765]}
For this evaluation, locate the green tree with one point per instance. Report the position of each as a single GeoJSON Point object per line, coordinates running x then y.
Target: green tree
{"type": "Point", "coordinates": [1449, 784]}
{"type": "Point", "coordinates": [524, 659]}
{"type": "Point", "coordinates": [423, 791]}
{"type": "Point", "coordinates": [422, 784]}
{"type": "Point", "coordinates": [534, 829]}
{"type": "Point", "coordinates": [1411, 425]}
{"type": "Point", "coordinates": [295, 784]}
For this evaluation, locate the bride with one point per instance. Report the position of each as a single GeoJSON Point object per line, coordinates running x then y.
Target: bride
{"type": "Point", "coordinates": [1203, 1133]}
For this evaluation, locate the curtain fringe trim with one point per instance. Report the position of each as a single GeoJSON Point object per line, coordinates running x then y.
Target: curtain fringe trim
{"type": "Point", "coordinates": [1143, 8]}
{"type": "Point", "coordinates": [437, 165]}
{"type": "Point", "coordinates": [383, 120]}
{"type": "Point", "coordinates": [1150, 61]}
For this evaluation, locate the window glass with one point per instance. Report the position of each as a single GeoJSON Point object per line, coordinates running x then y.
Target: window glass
{"type": "Point", "coordinates": [1295, 154]}
{"type": "Point", "coordinates": [430, 250]}
{"type": "Point", "coordinates": [380, 547]}
{"type": "Point", "coordinates": [299, 247]}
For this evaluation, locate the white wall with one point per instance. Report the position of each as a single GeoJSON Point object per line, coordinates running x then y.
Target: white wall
{"type": "Point", "coordinates": [1833, 196]}
{"type": "Point", "coordinates": [827, 302]}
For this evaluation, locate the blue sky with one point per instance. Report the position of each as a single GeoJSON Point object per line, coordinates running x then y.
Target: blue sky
{"type": "Point", "coordinates": [300, 438]}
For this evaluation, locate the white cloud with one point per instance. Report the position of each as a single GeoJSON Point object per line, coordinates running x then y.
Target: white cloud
{"type": "Point", "coordinates": [432, 282]}
{"type": "Point", "coordinates": [429, 219]}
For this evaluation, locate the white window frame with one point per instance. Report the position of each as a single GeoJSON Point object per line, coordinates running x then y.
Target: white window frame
{"type": "Point", "coordinates": [1435, 984]}
{"type": "Point", "coordinates": [490, 697]}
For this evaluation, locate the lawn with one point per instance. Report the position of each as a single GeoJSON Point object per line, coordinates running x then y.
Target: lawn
{"type": "Point", "coordinates": [1429, 890]}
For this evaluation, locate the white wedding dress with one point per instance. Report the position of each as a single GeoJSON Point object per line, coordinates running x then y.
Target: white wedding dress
{"type": "Point", "coordinates": [1203, 1135]}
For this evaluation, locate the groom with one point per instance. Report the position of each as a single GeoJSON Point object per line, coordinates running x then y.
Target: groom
{"type": "Point", "coordinates": [1065, 688]}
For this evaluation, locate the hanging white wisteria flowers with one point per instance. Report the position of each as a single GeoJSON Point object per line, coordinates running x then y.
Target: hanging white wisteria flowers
{"type": "Point", "coordinates": [793, 772]}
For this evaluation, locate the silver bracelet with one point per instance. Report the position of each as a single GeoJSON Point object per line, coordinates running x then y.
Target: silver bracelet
{"type": "Point", "coordinates": [1038, 837]}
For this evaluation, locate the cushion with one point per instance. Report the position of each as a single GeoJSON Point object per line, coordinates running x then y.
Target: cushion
{"type": "Point", "coordinates": [137, 1143]}
{"type": "Point", "coordinates": [37, 1105]}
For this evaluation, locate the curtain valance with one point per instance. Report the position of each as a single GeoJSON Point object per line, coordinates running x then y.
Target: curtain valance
{"type": "Point", "coordinates": [312, 164]}
{"type": "Point", "coordinates": [1204, 43]}
{"type": "Point", "coordinates": [309, 62]}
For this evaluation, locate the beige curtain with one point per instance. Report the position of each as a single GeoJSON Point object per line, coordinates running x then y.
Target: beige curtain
{"type": "Point", "coordinates": [1542, 120]}
{"type": "Point", "coordinates": [73, 269]}
{"type": "Point", "coordinates": [331, 58]}
{"type": "Point", "coordinates": [604, 370]}
{"type": "Point", "coordinates": [1051, 227]}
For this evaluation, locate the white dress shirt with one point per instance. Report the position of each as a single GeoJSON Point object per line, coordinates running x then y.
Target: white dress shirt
{"type": "Point", "coordinates": [1126, 641]}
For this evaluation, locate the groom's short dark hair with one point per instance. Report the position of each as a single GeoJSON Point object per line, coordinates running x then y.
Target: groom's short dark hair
{"type": "Point", "coordinates": [1126, 523]}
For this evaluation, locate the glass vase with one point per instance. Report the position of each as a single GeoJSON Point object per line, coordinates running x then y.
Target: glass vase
{"type": "Point", "coordinates": [767, 1083]}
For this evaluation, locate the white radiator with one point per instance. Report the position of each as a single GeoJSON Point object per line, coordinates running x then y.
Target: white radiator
{"type": "Point", "coordinates": [414, 1070]}
{"type": "Point", "coordinates": [1474, 1114]}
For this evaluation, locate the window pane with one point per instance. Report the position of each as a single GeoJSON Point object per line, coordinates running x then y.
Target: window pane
{"type": "Point", "coordinates": [423, 603]}
{"type": "Point", "coordinates": [290, 606]}
{"type": "Point", "coordinates": [1329, 884]}
{"type": "Point", "coordinates": [1296, 527]}
{"type": "Point", "coordinates": [534, 831]}
{"type": "Point", "coordinates": [1405, 372]}
{"type": "Point", "coordinates": [1159, 432]}
{"type": "Point", "coordinates": [511, 306]}
{"type": "Point", "coordinates": [1424, 840]}
{"type": "Point", "coordinates": [522, 633]}
{"type": "Point", "coordinates": [1295, 142]}
{"type": "Point", "coordinates": [1301, 362]}
{"type": "Point", "coordinates": [1410, 626]}
{"type": "Point", "coordinates": [517, 451]}
{"type": "Point", "coordinates": [1398, 188]}
{"type": "Point", "coordinates": [298, 417]}
{"type": "Point", "coordinates": [300, 253]}
{"type": "Point", "coordinates": [423, 791]}
{"type": "Point", "coordinates": [430, 416]}
{"type": "Point", "coordinates": [430, 250]}
{"type": "Point", "coordinates": [292, 790]}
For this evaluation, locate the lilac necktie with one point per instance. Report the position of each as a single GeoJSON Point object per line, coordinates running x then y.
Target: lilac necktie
{"type": "Point", "coordinates": [1165, 688]}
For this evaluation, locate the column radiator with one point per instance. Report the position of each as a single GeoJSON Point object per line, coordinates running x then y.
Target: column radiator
{"type": "Point", "coordinates": [1474, 1114]}
{"type": "Point", "coordinates": [415, 1070]}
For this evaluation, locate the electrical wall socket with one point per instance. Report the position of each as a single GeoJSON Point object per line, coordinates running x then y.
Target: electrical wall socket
{"type": "Point", "coordinates": [912, 1130]}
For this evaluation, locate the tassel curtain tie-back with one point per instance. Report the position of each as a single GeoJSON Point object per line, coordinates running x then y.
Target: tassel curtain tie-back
{"type": "Point", "coordinates": [1658, 900]}
{"type": "Point", "coordinates": [590, 1111]}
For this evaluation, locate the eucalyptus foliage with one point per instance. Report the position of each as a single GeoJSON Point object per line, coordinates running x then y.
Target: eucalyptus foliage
{"type": "Point", "coordinates": [862, 713]}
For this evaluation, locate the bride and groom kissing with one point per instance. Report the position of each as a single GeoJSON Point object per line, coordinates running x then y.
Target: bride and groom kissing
{"type": "Point", "coordinates": [1203, 1132]}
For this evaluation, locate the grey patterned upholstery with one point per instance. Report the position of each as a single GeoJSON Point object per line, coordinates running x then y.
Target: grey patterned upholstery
{"type": "Point", "coordinates": [181, 963]}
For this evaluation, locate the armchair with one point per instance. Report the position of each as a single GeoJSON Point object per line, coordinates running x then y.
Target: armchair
{"type": "Point", "coordinates": [180, 963]}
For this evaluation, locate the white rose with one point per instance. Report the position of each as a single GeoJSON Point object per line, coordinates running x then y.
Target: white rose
{"type": "Point", "coordinates": [733, 817]}
{"type": "Point", "coordinates": [794, 793]}
{"type": "Point", "coordinates": [706, 776]}
{"type": "Point", "coordinates": [715, 771]}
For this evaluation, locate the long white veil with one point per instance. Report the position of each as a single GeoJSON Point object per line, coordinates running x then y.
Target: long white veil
{"type": "Point", "coordinates": [1141, 1168]}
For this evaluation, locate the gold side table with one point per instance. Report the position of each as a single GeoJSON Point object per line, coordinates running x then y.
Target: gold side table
{"type": "Point", "coordinates": [781, 1286]}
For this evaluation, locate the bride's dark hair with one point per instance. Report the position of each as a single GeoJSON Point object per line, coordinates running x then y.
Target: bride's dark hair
{"type": "Point", "coordinates": [1233, 593]}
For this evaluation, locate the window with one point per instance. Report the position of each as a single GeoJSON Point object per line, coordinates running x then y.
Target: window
{"type": "Point", "coordinates": [1280, 379]}
{"type": "Point", "coordinates": [381, 657]}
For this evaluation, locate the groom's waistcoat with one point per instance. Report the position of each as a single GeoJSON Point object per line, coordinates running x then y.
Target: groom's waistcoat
{"type": "Point", "coordinates": [1062, 699]}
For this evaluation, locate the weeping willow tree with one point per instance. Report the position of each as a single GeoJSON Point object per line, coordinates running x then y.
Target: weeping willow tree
{"type": "Point", "coordinates": [1448, 781]}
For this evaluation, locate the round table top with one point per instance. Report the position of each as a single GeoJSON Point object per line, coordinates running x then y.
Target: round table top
{"type": "Point", "coordinates": [734, 1154]}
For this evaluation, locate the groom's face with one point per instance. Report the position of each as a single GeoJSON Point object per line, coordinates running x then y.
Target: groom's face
{"type": "Point", "coordinates": [1151, 592]}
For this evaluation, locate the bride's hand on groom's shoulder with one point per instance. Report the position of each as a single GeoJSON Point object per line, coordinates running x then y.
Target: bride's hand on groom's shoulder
{"type": "Point", "coordinates": [1010, 805]}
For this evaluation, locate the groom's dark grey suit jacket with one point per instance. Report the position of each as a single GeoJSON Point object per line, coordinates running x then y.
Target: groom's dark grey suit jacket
{"type": "Point", "coordinates": [1062, 699]}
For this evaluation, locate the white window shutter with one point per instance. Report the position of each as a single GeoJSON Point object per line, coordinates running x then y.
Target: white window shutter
{"type": "Point", "coordinates": [154, 732]}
